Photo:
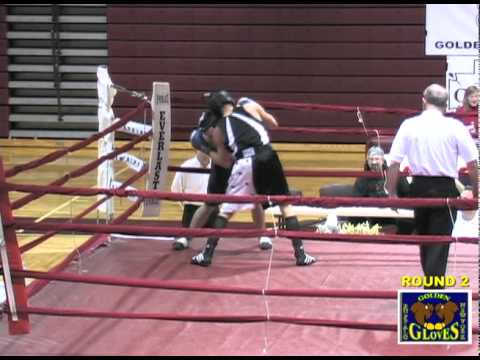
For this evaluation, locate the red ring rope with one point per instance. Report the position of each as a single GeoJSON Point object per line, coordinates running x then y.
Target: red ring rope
{"type": "Point", "coordinates": [189, 286]}
{"type": "Point", "coordinates": [207, 318]}
{"type": "Point", "coordinates": [91, 208]}
{"type": "Point", "coordinates": [82, 170]}
{"type": "Point", "coordinates": [312, 130]}
{"type": "Point", "coordinates": [324, 201]}
{"type": "Point", "coordinates": [309, 173]}
{"type": "Point", "coordinates": [77, 146]}
{"type": "Point", "coordinates": [248, 233]}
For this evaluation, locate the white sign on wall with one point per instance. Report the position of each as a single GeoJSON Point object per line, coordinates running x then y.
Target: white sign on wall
{"type": "Point", "coordinates": [462, 72]}
{"type": "Point", "coordinates": [452, 29]}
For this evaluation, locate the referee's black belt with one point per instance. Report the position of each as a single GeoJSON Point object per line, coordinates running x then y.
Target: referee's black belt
{"type": "Point", "coordinates": [428, 177]}
{"type": "Point", "coordinates": [251, 151]}
{"type": "Point", "coordinates": [432, 179]}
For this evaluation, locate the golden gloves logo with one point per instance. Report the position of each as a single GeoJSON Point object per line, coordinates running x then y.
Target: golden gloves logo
{"type": "Point", "coordinates": [435, 316]}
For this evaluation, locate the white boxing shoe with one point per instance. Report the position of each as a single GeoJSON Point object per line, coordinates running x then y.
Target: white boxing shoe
{"type": "Point", "coordinates": [265, 243]}
{"type": "Point", "coordinates": [181, 244]}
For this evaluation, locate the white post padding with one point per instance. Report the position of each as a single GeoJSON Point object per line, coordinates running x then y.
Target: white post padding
{"type": "Point", "coordinates": [105, 174]}
{"type": "Point", "coordinates": [160, 145]}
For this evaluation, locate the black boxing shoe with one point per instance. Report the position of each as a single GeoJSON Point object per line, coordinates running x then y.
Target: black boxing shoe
{"type": "Point", "coordinates": [201, 259]}
{"type": "Point", "coordinates": [302, 258]}
{"type": "Point", "coordinates": [205, 257]}
{"type": "Point", "coordinates": [305, 259]}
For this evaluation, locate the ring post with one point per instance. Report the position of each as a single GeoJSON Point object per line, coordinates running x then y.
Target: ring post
{"type": "Point", "coordinates": [161, 127]}
{"type": "Point", "coordinates": [106, 94]}
{"type": "Point", "coordinates": [18, 323]}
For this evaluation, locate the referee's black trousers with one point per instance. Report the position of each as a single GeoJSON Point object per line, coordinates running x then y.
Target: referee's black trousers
{"type": "Point", "coordinates": [434, 221]}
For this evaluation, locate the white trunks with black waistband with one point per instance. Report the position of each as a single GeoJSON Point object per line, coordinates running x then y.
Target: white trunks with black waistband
{"type": "Point", "coordinates": [240, 183]}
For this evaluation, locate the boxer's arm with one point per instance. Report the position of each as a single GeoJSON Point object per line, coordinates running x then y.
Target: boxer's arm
{"type": "Point", "coordinates": [267, 117]}
{"type": "Point", "coordinates": [260, 113]}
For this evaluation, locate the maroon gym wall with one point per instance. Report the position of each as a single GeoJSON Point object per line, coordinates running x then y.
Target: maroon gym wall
{"type": "Point", "coordinates": [345, 54]}
{"type": "Point", "coordinates": [318, 53]}
{"type": "Point", "coordinates": [4, 111]}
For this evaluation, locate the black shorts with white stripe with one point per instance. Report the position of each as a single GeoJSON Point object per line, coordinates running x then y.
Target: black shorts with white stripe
{"type": "Point", "coordinates": [268, 175]}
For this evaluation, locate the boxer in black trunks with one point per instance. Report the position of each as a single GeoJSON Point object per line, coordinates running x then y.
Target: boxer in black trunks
{"type": "Point", "coordinates": [241, 140]}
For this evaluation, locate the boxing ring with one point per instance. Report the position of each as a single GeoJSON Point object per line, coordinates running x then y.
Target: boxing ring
{"type": "Point", "coordinates": [133, 295]}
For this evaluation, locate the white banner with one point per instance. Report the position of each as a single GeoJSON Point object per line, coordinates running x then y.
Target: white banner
{"type": "Point", "coordinates": [135, 128]}
{"type": "Point", "coordinates": [132, 161]}
{"type": "Point", "coordinates": [462, 72]}
{"type": "Point", "coordinates": [452, 29]}
{"type": "Point", "coordinates": [158, 166]}
{"type": "Point", "coordinates": [106, 95]}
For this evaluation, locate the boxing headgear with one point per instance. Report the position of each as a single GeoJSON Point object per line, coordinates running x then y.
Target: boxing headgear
{"type": "Point", "coordinates": [217, 100]}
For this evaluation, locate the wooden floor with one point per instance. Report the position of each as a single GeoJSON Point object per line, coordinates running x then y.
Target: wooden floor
{"type": "Point", "coordinates": [43, 257]}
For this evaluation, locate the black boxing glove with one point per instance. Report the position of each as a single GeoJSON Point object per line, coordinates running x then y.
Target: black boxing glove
{"type": "Point", "coordinates": [198, 141]}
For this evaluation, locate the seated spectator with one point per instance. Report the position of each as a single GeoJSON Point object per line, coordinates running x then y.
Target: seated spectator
{"type": "Point", "coordinates": [468, 112]}
{"type": "Point", "coordinates": [195, 183]}
{"type": "Point", "coordinates": [375, 187]}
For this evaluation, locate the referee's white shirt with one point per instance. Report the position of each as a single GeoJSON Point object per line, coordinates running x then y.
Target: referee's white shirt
{"type": "Point", "coordinates": [196, 183]}
{"type": "Point", "coordinates": [433, 144]}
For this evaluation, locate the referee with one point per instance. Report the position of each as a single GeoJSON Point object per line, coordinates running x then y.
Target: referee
{"type": "Point", "coordinates": [433, 143]}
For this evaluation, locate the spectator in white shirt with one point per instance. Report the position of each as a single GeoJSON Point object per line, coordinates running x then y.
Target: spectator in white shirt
{"type": "Point", "coordinates": [433, 144]}
{"type": "Point", "coordinates": [195, 183]}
